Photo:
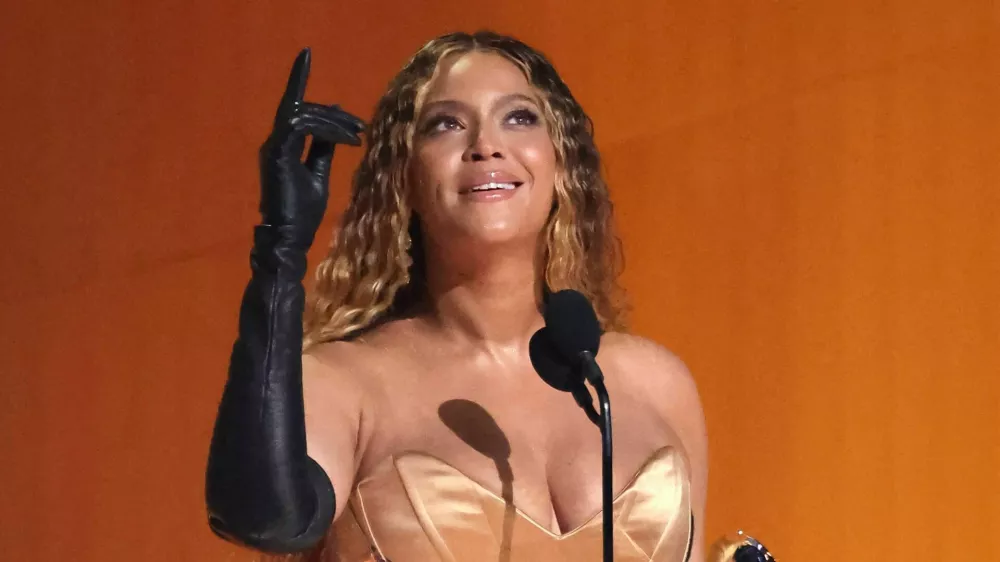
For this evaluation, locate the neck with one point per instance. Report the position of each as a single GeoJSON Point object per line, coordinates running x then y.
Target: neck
{"type": "Point", "coordinates": [489, 298]}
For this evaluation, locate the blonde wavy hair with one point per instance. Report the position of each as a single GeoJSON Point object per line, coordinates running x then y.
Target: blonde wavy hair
{"type": "Point", "coordinates": [374, 269]}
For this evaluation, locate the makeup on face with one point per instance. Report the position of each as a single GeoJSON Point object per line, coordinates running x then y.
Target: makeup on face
{"type": "Point", "coordinates": [484, 163]}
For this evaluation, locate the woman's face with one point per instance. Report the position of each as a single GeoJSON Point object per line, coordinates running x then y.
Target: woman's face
{"type": "Point", "coordinates": [484, 165]}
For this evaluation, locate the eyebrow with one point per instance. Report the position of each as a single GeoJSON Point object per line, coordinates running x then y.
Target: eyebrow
{"type": "Point", "coordinates": [455, 104]}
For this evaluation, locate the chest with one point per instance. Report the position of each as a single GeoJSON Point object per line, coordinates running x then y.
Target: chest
{"type": "Point", "coordinates": [516, 437]}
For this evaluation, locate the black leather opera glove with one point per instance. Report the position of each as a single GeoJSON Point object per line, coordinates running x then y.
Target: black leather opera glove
{"type": "Point", "coordinates": [262, 490]}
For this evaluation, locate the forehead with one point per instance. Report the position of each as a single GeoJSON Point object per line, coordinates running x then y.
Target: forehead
{"type": "Point", "coordinates": [476, 75]}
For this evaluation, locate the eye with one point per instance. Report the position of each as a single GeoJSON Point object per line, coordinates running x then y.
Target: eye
{"type": "Point", "coordinates": [440, 124]}
{"type": "Point", "coordinates": [523, 117]}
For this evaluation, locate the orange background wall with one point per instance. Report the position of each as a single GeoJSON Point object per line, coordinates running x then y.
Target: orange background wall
{"type": "Point", "coordinates": [809, 199]}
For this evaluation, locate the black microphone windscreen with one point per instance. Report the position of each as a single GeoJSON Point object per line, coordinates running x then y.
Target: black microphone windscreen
{"type": "Point", "coordinates": [572, 323]}
{"type": "Point", "coordinates": [547, 362]}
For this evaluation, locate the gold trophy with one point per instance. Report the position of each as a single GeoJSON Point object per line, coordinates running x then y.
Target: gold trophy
{"type": "Point", "coordinates": [739, 548]}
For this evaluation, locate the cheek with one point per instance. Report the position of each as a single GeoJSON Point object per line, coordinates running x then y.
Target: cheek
{"type": "Point", "coordinates": [538, 154]}
{"type": "Point", "coordinates": [426, 173]}
{"type": "Point", "coordinates": [540, 160]}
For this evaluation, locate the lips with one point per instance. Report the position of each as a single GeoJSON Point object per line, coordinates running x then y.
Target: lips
{"type": "Point", "coordinates": [492, 186]}
{"type": "Point", "coordinates": [490, 181]}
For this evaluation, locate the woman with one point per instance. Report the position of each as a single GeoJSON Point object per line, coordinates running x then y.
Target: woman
{"type": "Point", "coordinates": [429, 434]}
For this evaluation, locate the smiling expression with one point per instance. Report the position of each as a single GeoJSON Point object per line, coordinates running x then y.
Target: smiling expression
{"type": "Point", "coordinates": [484, 164]}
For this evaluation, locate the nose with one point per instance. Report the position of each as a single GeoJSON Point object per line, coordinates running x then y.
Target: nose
{"type": "Point", "coordinates": [485, 145]}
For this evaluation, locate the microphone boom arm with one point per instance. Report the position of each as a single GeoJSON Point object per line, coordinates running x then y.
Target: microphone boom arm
{"type": "Point", "coordinates": [593, 375]}
{"type": "Point", "coordinates": [586, 401]}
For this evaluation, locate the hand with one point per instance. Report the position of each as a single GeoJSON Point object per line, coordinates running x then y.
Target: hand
{"type": "Point", "coordinates": [293, 193]}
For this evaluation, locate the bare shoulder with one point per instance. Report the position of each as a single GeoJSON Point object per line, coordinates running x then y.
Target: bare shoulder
{"type": "Point", "coordinates": [355, 368]}
{"type": "Point", "coordinates": [332, 376]}
{"type": "Point", "coordinates": [330, 369]}
{"type": "Point", "coordinates": [656, 376]}
{"type": "Point", "coordinates": [645, 364]}
{"type": "Point", "coordinates": [337, 360]}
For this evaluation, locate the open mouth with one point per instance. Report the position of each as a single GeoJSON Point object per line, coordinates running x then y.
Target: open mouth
{"type": "Point", "coordinates": [492, 186]}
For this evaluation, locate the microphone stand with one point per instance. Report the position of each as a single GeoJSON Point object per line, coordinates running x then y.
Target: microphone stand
{"type": "Point", "coordinates": [586, 401]}
{"type": "Point", "coordinates": [592, 373]}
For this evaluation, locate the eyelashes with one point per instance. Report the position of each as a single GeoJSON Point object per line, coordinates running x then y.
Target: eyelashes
{"type": "Point", "coordinates": [439, 124]}
{"type": "Point", "coordinates": [521, 117]}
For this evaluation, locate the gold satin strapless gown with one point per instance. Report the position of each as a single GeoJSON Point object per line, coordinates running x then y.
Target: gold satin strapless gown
{"type": "Point", "coordinates": [417, 508]}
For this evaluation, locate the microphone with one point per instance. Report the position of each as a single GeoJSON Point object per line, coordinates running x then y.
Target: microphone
{"type": "Point", "coordinates": [574, 333]}
{"type": "Point", "coordinates": [558, 373]}
{"type": "Point", "coordinates": [572, 325]}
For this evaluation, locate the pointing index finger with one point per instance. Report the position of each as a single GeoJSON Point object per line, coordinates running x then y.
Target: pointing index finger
{"type": "Point", "coordinates": [295, 90]}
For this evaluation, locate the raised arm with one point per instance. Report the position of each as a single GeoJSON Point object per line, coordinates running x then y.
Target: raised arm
{"type": "Point", "coordinates": [262, 488]}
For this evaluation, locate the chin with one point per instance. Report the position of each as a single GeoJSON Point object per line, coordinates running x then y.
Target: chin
{"type": "Point", "coordinates": [502, 233]}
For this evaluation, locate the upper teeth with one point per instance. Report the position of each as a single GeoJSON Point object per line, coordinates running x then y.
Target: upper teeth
{"type": "Point", "coordinates": [493, 185]}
